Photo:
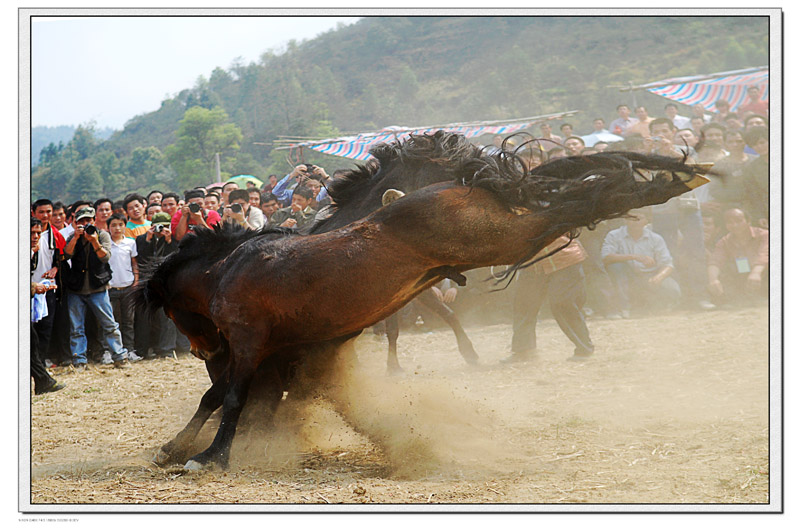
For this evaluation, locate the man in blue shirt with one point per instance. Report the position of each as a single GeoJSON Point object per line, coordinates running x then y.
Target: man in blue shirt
{"type": "Point", "coordinates": [284, 189]}
{"type": "Point", "coordinates": [640, 264]}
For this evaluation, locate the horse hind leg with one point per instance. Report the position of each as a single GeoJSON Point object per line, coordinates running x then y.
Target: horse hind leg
{"type": "Point", "coordinates": [429, 300]}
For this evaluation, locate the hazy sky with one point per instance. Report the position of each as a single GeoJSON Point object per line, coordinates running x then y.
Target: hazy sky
{"type": "Point", "coordinates": [110, 69]}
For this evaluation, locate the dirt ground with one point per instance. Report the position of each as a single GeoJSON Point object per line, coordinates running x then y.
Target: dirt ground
{"type": "Point", "coordinates": [672, 409]}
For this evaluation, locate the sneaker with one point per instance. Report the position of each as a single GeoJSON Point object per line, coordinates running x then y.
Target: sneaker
{"type": "Point", "coordinates": [80, 367]}
{"type": "Point", "coordinates": [122, 364]}
{"type": "Point", "coordinates": [53, 386]}
{"type": "Point", "coordinates": [133, 357]}
{"type": "Point", "coordinates": [706, 305]}
{"type": "Point", "coordinates": [518, 357]}
{"type": "Point", "coordinates": [48, 364]}
{"type": "Point", "coordinates": [106, 358]}
{"type": "Point", "coordinates": [167, 354]}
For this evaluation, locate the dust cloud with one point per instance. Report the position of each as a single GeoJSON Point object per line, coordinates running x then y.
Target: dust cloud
{"type": "Point", "coordinates": [421, 426]}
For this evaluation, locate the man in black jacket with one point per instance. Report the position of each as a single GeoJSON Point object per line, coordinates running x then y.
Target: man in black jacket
{"type": "Point", "coordinates": [156, 330]}
{"type": "Point", "coordinates": [86, 283]}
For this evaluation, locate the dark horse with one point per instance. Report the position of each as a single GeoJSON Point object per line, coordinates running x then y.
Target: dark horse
{"type": "Point", "coordinates": [255, 301]}
{"type": "Point", "coordinates": [422, 160]}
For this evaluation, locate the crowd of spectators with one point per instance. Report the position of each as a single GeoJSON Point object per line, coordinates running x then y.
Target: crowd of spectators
{"type": "Point", "coordinates": [86, 257]}
{"type": "Point", "coordinates": [704, 249]}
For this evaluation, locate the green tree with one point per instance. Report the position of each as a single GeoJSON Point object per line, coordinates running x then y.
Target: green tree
{"type": "Point", "coordinates": [84, 143]}
{"type": "Point", "coordinates": [144, 164]}
{"type": "Point", "coordinates": [201, 134]}
{"type": "Point", "coordinates": [86, 183]}
{"type": "Point", "coordinates": [50, 181]}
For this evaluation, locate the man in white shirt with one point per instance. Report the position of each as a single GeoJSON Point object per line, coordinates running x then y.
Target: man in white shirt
{"type": "Point", "coordinates": [671, 111]}
{"type": "Point", "coordinates": [51, 246]}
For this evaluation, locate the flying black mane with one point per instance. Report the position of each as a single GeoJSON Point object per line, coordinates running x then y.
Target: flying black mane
{"type": "Point", "coordinates": [205, 247]}
{"type": "Point", "coordinates": [443, 150]}
{"type": "Point", "coordinates": [578, 191]}
{"type": "Point", "coordinates": [572, 192]}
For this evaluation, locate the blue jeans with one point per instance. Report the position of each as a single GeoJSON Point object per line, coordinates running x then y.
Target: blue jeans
{"type": "Point", "coordinates": [634, 288]}
{"type": "Point", "coordinates": [100, 305]}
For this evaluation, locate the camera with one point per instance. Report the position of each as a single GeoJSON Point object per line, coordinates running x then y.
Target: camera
{"type": "Point", "coordinates": [236, 208]}
{"type": "Point", "coordinates": [158, 228]}
{"type": "Point", "coordinates": [310, 168]}
{"type": "Point", "coordinates": [90, 229]}
{"type": "Point", "coordinates": [195, 208]}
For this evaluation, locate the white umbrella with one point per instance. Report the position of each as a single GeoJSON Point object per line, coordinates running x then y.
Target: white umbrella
{"type": "Point", "coordinates": [593, 138]}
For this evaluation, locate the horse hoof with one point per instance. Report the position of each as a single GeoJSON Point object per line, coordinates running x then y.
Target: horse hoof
{"type": "Point", "coordinates": [193, 465]}
{"type": "Point", "coordinates": [161, 458]}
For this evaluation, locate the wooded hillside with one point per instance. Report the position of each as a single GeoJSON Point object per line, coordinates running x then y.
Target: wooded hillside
{"type": "Point", "coordinates": [385, 71]}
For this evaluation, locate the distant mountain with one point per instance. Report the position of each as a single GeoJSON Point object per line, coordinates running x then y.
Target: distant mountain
{"type": "Point", "coordinates": [42, 136]}
{"type": "Point", "coordinates": [411, 71]}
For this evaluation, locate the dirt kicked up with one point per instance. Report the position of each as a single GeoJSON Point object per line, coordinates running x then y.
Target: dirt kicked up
{"type": "Point", "coordinates": [673, 409]}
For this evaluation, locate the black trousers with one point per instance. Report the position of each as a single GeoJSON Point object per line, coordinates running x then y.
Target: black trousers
{"type": "Point", "coordinates": [39, 373]}
{"type": "Point", "coordinates": [566, 290]}
{"type": "Point", "coordinates": [59, 338]}
{"type": "Point", "coordinates": [44, 327]}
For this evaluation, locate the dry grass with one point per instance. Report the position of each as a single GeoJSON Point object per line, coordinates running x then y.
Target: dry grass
{"type": "Point", "coordinates": [673, 409]}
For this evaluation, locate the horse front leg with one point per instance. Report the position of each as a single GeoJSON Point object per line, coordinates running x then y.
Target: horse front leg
{"type": "Point", "coordinates": [177, 449]}
{"type": "Point", "coordinates": [392, 333]}
{"type": "Point", "coordinates": [242, 372]}
{"type": "Point", "coordinates": [429, 300]}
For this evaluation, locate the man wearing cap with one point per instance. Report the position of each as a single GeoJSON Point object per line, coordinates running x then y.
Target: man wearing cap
{"type": "Point", "coordinates": [155, 330]}
{"type": "Point", "coordinates": [190, 216]}
{"type": "Point", "coordinates": [86, 281]}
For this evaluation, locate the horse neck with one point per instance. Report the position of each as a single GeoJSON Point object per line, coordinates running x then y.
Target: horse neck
{"type": "Point", "coordinates": [471, 228]}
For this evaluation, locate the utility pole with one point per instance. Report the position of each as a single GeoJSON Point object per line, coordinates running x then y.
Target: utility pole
{"type": "Point", "coordinates": [219, 175]}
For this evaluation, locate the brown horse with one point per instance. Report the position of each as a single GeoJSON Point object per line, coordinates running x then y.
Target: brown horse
{"type": "Point", "coordinates": [274, 295]}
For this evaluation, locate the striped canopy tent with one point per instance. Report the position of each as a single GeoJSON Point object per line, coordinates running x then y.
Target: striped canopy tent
{"type": "Point", "coordinates": [357, 146]}
{"type": "Point", "coordinates": [707, 89]}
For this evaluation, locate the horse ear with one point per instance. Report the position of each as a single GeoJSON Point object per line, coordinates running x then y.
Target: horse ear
{"type": "Point", "coordinates": [520, 211]}
{"type": "Point", "coordinates": [391, 195]}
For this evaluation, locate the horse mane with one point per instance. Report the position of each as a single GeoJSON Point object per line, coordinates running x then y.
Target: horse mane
{"type": "Point", "coordinates": [204, 245]}
{"type": "Point", "coordinates": [576, 191]}
{"type": "Point", "coordinates": [572, 192]}
{"type": "Point", "coordinates": [441, 148]}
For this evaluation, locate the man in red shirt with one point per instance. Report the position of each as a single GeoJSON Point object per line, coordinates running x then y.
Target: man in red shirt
{"type": "Point", "coordinates": [192, 214]}
{"type": "Point", "coordinates": [753, 104]}
{"type": "Point", "coordinates": [737, 265]}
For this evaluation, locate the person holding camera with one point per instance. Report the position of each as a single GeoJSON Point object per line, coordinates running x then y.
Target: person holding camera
{"type": "Point", "coordinates": [155, 330]}
{"type": "Point", "coordinates": [299, 213]}
{"type": "Point", "coordinates": [284, 189]}
{"type": "Point", "coordinates": [192, 215]}
{"type": "Point", "coordinates": [86, 282]}
{"type": "Point", "coordinates": [241, 212]}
